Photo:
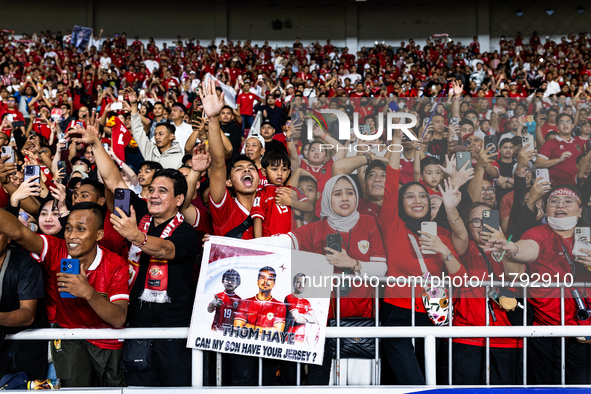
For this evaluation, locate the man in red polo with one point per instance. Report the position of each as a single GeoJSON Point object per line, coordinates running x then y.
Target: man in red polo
{"type": "Point", "coordinates": [101, 293]}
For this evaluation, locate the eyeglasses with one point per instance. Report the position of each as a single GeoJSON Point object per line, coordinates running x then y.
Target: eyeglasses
{"type": "Point", "coordinates": [488, 190]}
{"type": "Point", "coordinates": [565, 122]}
{"type": "Point", "coordinates": [567, 202]}
{"type": "Point", "coordinates": [476, 222]}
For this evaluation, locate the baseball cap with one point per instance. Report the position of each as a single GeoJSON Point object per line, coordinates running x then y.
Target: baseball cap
{"type": "Point", "coordinates": [374, 164]}
{"type": "Point", "coordinates": [84, 160]}
{"type": "Point", "coordinates": [265, 122]}
{"type": "Point", "coordinates": [258, 137]}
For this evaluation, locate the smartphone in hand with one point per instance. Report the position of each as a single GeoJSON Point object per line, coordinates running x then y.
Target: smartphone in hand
{"type": "Point", "coordinates": [491, 218]}
{"type": "Point", "coordinates": [69, 266]}
{"type": "Point", "coordinates": [429, 228]}
{"type": "Point", "coordinates": [122, 201]}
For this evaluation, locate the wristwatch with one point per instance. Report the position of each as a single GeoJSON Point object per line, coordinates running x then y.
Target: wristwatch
{"type": "Point", "coordinates": [449, 257]}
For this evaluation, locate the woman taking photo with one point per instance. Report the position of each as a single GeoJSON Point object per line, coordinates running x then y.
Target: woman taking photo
{"type": "Point", "coordinates": [470, 306]}
{"type": "Point", "coordinates": [401, 233]}
{"type": "Point", "coordinates": [547, 251]}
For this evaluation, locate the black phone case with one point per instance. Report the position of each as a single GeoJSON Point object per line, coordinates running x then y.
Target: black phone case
{"type": "Point", "coordinates": [334, 241]}
{"type": "Point", "coordinates": [492, 221]}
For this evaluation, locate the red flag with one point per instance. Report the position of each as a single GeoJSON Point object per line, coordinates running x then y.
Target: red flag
{"type": "Point", "coordinates": [120, 136]}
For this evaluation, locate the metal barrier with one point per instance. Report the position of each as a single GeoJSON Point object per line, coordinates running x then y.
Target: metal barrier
{"type": "Point", "coordinates": [428, 333]}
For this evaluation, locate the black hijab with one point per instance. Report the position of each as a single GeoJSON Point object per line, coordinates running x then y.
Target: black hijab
{"type": "Point", "coordinates": [413, 225]}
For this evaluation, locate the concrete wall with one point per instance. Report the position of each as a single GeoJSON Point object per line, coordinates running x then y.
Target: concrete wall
{"type": "Point", "coordinates": [344, 22]}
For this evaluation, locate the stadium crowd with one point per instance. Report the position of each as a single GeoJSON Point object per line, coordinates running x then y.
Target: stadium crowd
{"type": "Point", "coordinates": [170, 129]}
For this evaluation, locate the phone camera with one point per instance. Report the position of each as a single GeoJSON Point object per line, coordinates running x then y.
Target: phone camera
{"type": "Point", "coordinates": [29, 170]}
{"type": "Point", "coordinates": [119, 194]}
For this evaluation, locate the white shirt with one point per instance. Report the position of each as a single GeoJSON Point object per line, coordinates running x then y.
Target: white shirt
{"type": "Point", "coordinates": [151, 65]}
{"type": "Point", "coordinates": [182, 134]}
{"type": "Point", "coordinates": [553, 88]}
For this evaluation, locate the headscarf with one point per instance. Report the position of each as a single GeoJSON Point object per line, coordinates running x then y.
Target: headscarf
{"type": "Point", "coordinates": [336, 221]}
{"type": "Point", "coordinates": [413, 225]}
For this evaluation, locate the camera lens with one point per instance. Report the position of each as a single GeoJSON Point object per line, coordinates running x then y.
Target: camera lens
{"type": "Point", "coordinates": [583, 314]}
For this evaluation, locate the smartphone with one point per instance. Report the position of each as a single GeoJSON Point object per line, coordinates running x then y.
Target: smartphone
{"type": "Point", "coordinates": [106, 146]}
{"type": "Point", "coordinates": [197, 115]}
{"type": "Point", "coordinates": [123, 201]}
{"type": "Point", "coordinates": [543, 173]}
{"type": "Point", "coordinates": [510, 113]}
{"type": "Point", "coordinates": [490, 140]}
{"type": "Point", "coordinates": [454, 120]}
{"type": "Point", "coordinates": [61, 165]}
{"type": "Point", "coordinates": [334, 241]}
{"type": "Point", "coordinates": [117, 106]}
{"type": "Point", "coordinates": [490, 217]}
{"type": "Point", "coordinates": [582, 241]}
{"type": "Point", "coordinates": [31, 172]}
{"type": "Point", "coordinates": [429, 228]}
{"type": "Point", "coordinates": [527, 139]}
{"type": "Point", "coordinates": [10, 117]}
{"type": "Point", "coordinates": [69, 266]}
{"type": "Point", "coordinates": [463, 158]}
{"type": "Point", "coordinates": [364, 129]}
{"type": "Point", "coordinates": [8, 151]}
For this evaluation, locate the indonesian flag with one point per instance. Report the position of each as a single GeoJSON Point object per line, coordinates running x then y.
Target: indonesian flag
{"type": "Point", "coordinates": [120, 136]}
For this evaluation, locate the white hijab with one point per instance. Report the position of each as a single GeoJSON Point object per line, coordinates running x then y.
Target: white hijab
{"type": "Point", "coordinates": [336, 221]}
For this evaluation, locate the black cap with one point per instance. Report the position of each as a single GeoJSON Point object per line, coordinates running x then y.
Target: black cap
{"type": "Point", "coordinates": [374, 164]}
{"type": "Point", "coordinates": [84, 160]}
{"type": "Point", "coordinates": [266, 121]}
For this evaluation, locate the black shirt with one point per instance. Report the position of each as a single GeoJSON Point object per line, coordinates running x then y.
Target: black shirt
{"type": "Point", "coordinates": [23, 280]}
{"type": "Point", "coordinates": [506, 169]}
{"type": "Point", "coordinates": [234, 134]}
{"type": "Point", "coordinates": [176, 313]}
{"type": "Point", "coordinates": [438, 148]}
{"type": "Point", "coordinates": [276, 116]}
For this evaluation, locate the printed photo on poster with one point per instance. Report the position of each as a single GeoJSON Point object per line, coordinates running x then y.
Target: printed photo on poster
{"type": "Point", "coordinates": [250, 302]}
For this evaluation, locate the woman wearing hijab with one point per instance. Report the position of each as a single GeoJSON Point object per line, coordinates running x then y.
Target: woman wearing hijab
{"type": "Point", "coordinates": [401, 233]}
{"type": "Point", "coordinates": [547, 251]}
{"type": "Point", "coordinates": [362, 252]}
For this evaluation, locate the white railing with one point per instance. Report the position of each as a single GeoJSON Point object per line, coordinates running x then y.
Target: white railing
{"type": "Point", "coordinates": [428, 333]}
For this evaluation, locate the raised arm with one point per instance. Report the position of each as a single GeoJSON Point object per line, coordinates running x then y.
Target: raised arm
{"type": "Point", "coordinates": [107, 168]}
{"type": "Point", "coordinates": [212, 106]}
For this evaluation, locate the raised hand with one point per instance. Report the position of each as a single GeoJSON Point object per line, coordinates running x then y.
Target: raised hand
{"type": "Point", "coordinates": [465, 174]}
{"type": "Point", "coordinates": [449, 166]}
{"type": "Point", "coordinates": [451, 195]}
{"type": "Point", "coordinates": [458, 87]}
{"type": "Point", "coordinates": [212, 103]}
{"type": "Point", "coordinates": [201, 159]}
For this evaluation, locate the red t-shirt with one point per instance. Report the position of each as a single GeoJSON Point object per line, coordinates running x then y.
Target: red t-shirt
{"type": "Point", "coordinates": [301, 306]}
{"type": "Point", "coordinates": [322, 174]}
{"type": "Point", "coordinates": [551, 260]}
{"type": "Point", "coordinates": [367, 207]}
{"type": "Point", "coordinates": [227, 215]}
{"type": "Point", "coordinates": [407, 173]}
{"type": "Point", "coordinates": [363, 242]}
{"type": "Point", "coordinates": [261, 313]}
{"type": "Point", "coordinates": [246, 102]}
{"type": "Point", "coordinates": [112, 240]}
{"type": "Point", "coordinates": [562, 173]}
{"type": "Point", "coordinates": [470, 307]}
{"type": "Point", "coordinates": [41, 128]}
{"type": "Point", "coordinates": [397, 243]}
{"type": "Point", "coordinates": [108, 275]}
{"type": "Point", "coordinates": [226, 312]}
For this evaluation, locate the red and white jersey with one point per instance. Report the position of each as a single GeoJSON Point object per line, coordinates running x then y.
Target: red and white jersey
{"type": "Point", "coordinates": [562, 173]}
{"type": "Point", "coordinates": [261, 313]}
{"type": "Point", "coordinates": [470, 307]}
{"type": "Point", "coordinates": [225, 313]}
{"type": "Point", "coordinates": [246, 102]}
{"type": "Point", "coordinates": [277, 219]}
{"type": "Point", "coordinates": [322, 175]}
{"type": "Point", "coordinates": [363, 242]}
{"type": "Point", "coordinates": [551, 260]}
{"type": "Point", "coordinates": [301, 306]}
{"type": "Point", "coordinates": [227, 215]}
{"type": "Point", "coordinates": [108, 275]}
